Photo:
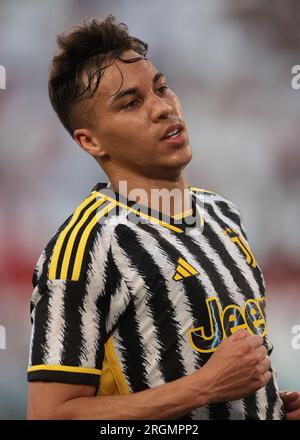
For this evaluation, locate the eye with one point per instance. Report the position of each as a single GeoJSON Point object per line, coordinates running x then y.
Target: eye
{"type": "Point", "coordinates": [130, 104]}
{"type": "Point", "coordinates": [162, 88]}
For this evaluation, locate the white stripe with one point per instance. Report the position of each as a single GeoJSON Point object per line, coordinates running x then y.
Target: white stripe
{"type": "Point", "coordinates": [119, 349]}
{"type": "Point", "coordinates": [176, 294]}
{"type": "Point", "coordinates": [35, 297]}
{"type": "Point", "coordinates": [262, 403]}
{"type": "Point", "coordinates": [95, 283]}
{"type": "Point", "coordinates": [237, 410]}
{"type": "Point", "coordinates": [145, 321]}
{"type": "Point", "coordinates": [278, 404]}
{"type": "Point", "coordinates": [201, 413]}
{"type": "Point", "coordinates": [40, 264]}
{"type": "Point", "coordinates": [239, 259]}
{"type": "Point", "coordinates": [245, 270]}
{"type": "Point", "coordinates": [55, 323]}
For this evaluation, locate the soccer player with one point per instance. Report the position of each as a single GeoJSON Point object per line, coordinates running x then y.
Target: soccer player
{"type": "Point", "coordinates": [145, 306]}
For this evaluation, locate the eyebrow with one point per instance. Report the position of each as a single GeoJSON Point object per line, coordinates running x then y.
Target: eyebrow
{"type": "Point", "coordinates": [134, 90]}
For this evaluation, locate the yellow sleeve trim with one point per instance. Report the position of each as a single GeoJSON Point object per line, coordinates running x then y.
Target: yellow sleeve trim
{"type": "Point", "coordinates": [64, 368]}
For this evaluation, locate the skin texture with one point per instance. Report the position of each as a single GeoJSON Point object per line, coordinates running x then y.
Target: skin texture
{"type": "Point", "coordinates": [291, 401]}
{"type": "Point", "coordinates": [125, 140]}
{"type": "Point", "coordinates": [236, 369]}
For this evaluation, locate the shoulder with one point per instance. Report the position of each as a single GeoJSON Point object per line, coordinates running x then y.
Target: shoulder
{"type": "Point", "coordinates": [213, 198]}
{"type": "Point", "coordinates": [88, 230]}
{"type": "Point", "coordinates": [219, 207]}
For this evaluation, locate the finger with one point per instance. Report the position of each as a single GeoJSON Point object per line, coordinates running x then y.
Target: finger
{"type": "Point", "coordinates": [294, 415]}
{"type": "Point", "coordinates": [261, 352]}
{"type": "Point", "coordinates": [292, 406]}
{"type": "Point", "coordinates": [264, 379]}
{"type": "Point", "coordinates": [255, 341]}
{"type": "Point", "coordinates": [289, 396]}
{"type": "Point", "coordinates": [264, 365]}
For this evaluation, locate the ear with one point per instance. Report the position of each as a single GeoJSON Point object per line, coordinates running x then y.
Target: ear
{"type": "Point", "coordinates": [88, 141]}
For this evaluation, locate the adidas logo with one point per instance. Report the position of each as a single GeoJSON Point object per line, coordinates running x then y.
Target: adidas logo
{"type": "Point", "coordinates": [184, 270]}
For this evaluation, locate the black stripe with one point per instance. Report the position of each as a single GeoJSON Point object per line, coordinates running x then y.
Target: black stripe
{"type": "Point", "coordinates": [197, 294]}
{"type": "Point", "coordinates": [63, 377]}
{"type": "Point", "coordinates": [171, 363]}
{"type": "Point", "coordinates": [111, 283]}
{"type": "Point", "coordinates": [40, 325]}
{"type": "Point", "coordinates": [272, 398]}
{"type": "Point", "coordinates": [74, 298]}
{"type": "Point", "coordinates": [236, 219]}
{"type": "Point", "coordinates": [251, 407]}
{"type": "Point", "coordinates": [66, 239]}
{"type": "Point", "coordinates": [227, 260]}
{"type": "Point", "coordinates": [133, 350]}
{"type": "Point", "coordinates": [234, 216]}
{"type": "Point", "coordinates": [72, 336]}
{"type": "Point", "coordinates": [193, 287]}
{"type": "Point", "coordinates": [242, 284]}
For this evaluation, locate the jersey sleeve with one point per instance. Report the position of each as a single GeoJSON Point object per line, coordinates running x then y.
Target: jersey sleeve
{"type": "Point", "coordinates": [231, 212]}
{"type": "Point", "coordinates": [77, 285]}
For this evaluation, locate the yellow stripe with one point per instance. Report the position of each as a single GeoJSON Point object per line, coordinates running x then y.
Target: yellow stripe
{"type": "Point", "coordinates": [107, 384]}
{"type": "Point", "coordinates": [182, 271]}
{"type": "Point", "coordinates": [201, 218]}
{"type": "Point", "coordinates": [64, 368]}
{"type": "Point", "coordinates": [166, 225]}
{"type": "Point", "coordinates": [194, 188]}
{"type": "Point", "coordinates": [115, 367]}
{"type": "Point", "coordinates": [182, 214]}
{"type": "Point", "coordinates": [84, 238]}
{"type": "Point", "coordinates": [187, 266]}
{"type": "Point", "coordinates": [177, 277]}
{"type": "Point", "coordinates": [58, 245]}
{"type": "Point", "coordinates": [248, 250]}
{"type": "Point", "coordinates": [72, 238]}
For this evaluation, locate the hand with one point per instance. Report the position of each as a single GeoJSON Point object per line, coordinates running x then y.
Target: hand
{"type": "Point", "coordinates": [291, 403]}
{"type": "Point", "coordinates": [239, 367]}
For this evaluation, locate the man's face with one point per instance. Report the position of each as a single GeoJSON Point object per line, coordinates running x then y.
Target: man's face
{"type": "Point", "coordinates": [132, 120]}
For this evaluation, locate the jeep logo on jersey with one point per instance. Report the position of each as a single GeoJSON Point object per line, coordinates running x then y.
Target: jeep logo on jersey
{"type": "Point", "coordinates": [224, 323]}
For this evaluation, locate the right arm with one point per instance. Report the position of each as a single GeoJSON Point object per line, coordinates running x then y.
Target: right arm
{"type": "Point", "coordinates": [237, 368]}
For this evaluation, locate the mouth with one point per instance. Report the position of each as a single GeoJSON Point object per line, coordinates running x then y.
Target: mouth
{"type": "Point", "coordinates": [174, 134]}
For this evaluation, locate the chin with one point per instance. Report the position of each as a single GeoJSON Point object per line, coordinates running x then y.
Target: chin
{"type": "Point", "coordinates": [183, 157]}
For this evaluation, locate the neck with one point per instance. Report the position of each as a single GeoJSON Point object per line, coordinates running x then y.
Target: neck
{"type": "Point", "coordinates": [169, 196]}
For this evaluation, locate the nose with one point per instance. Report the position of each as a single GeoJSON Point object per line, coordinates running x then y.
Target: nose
{"type": "Point", "coordinates": [160, 109]}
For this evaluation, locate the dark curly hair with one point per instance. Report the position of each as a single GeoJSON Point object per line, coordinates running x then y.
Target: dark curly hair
{"type": "Point", "coordinates": [76, 71]}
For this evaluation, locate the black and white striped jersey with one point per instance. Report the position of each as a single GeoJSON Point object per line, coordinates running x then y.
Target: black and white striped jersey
{"type": "Point", "coordinates": [126, 299]}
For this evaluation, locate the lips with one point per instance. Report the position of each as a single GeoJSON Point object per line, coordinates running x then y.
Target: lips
{"type": "Point", "coordinates": [172, 130]}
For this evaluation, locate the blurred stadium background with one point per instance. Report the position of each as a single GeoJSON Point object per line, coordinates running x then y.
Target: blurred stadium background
{"type": "Point", "coordinates": [230, 63]}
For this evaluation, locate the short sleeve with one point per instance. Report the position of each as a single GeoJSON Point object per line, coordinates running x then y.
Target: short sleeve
{"type": "Point", "coordinates": [73, 315]}
{"type": "Point", "coordinates": [68, 333]}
